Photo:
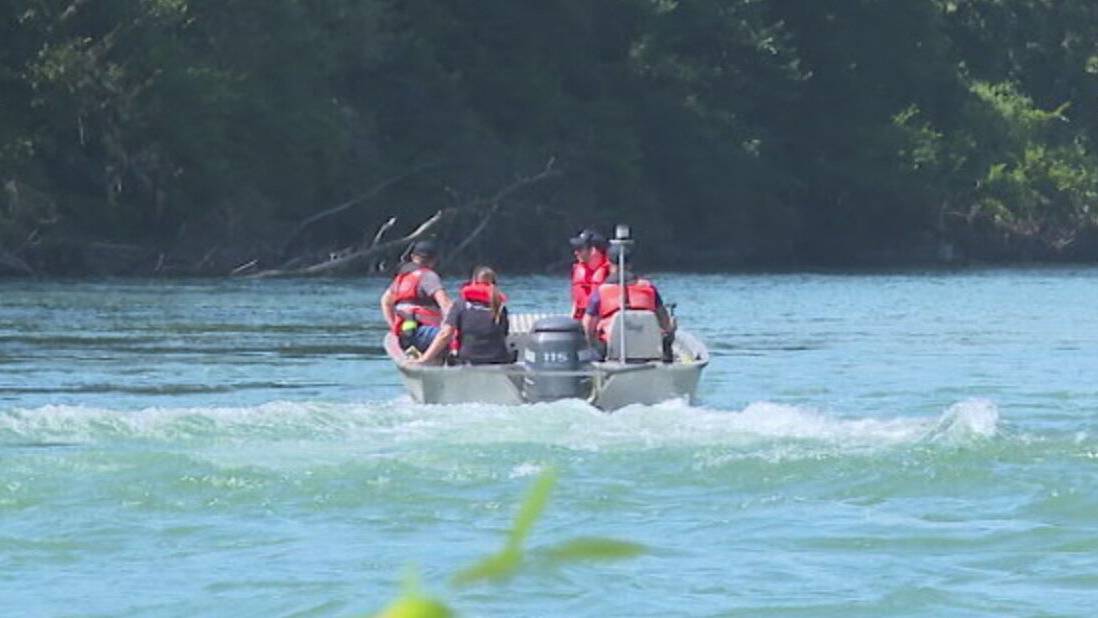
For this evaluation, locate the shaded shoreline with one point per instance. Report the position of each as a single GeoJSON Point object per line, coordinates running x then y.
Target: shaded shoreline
{"type": "Point", "coordinates": [561, 270]}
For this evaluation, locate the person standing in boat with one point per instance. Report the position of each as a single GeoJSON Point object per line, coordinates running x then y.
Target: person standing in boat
{"type": "Point", "coordinates": [589, 270]}
{"type": "Point", "coordinates": [606, 301]}
{"type": "Point", "coordinates": [415, 302]}
{"type": "Point", "coordinates": [478, 322]}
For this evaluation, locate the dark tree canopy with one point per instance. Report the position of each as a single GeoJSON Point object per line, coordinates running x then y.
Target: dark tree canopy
{"type": "Point", "coordinates": [193, 136]}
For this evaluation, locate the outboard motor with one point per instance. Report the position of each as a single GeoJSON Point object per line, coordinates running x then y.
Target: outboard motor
{"type": "Point", "coordinates": [555, 344]}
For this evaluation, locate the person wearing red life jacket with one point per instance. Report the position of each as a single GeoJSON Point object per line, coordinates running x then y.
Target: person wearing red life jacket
{"type": "Point", "coordinates": [478, 322]}
{"type": "Point", "coordinates": [606, 301]}
{"type": "Point", "coordinates": [589, 270]}
{"type": "Point", "coordinates": [415, 302]}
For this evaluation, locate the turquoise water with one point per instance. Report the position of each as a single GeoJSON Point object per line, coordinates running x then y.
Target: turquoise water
{"type": "Point", "coordinates": [920, 444]}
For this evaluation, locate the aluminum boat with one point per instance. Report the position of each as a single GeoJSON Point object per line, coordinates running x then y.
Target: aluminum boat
{"type": "Point", "coordinates": [551, 364]}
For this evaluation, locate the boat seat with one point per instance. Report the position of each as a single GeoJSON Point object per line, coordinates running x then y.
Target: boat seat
{"type": "Point", "coordinates": [519, 332]}
{"type": "Point", "coordinates": [643, 337]}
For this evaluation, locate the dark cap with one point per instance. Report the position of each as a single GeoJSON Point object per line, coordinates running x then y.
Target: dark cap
{"type": "Point", "coordinates": [424, 248]}
{"type": "Point", "coordinates": [588, 238]}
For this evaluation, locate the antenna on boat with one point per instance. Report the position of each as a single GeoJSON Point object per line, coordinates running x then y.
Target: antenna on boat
{"type": "Point", "coordinates": [622, 240]}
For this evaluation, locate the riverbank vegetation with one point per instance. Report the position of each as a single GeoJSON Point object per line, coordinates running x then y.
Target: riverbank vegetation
{"type": "Point", "coordinates": [282, 136]}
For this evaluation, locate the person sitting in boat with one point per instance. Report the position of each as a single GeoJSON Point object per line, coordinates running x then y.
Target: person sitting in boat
{"type": "Point", "coordinates": [589, 270]}
{"type": "Point", "coordinates": [606, 301]}
{"type": "Point", "coordinates": [414, 303]}
{"type": "Point", "coordinates": [478, 322]}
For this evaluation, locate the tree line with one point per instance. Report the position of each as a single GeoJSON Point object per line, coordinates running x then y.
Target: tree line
{"type": "Point", "coordinates": [251, 136]}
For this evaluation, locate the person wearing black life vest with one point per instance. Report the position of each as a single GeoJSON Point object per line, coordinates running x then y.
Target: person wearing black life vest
{"type": "Point", "coordinates": [414, 303]}
{"type": "Point", "coordinates": [606, 301]}
{"type": "Point", "coordinates": [589, 270]}
{"type": "Point", "coordinates": [478, 323]}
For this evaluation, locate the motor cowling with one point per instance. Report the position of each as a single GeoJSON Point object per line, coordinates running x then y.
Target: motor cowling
{"type": "Point", "coordinates": [556, 344]}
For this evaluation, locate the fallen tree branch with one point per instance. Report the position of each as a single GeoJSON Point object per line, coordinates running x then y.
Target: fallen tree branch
{"type": "Point", "coordinates": [378, 247]}
{"type": "Point", "coordinates": [385, 227]}
{"type": "Point", "coordinates": [496, 201]}
{"type": "Point", "coordinates": [351, 203]}
{"type": "Point", "coordinates": [13, 264]}
{"type": "Point", "coordinates": [468, 240]}
{"type": "Point", "coordinates": [243, 268]}
{"type": "Point", "coordinates": [350, 258]}
{"type": "Point", "coordinates": [378, 264]}
{"type": "Point", "coordinates": [205, 259]}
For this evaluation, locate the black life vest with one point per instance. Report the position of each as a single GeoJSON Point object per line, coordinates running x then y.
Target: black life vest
{"type": "Point", "coordinates": [482, 340]}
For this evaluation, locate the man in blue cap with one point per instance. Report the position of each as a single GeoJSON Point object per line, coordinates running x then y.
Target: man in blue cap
{"type": "Point", "coordinates": [590, 268]}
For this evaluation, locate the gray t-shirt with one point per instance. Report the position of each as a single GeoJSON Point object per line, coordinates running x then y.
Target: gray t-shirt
{"type": "Point", "coordinates": [429, 283]}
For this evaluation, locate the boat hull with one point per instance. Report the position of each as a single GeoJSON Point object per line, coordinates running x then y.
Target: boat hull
{"type": "Point", "coordinates": [609, 385]}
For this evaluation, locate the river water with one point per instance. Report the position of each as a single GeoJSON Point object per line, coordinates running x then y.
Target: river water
{"type": "Point", "coordinates": [909, 444]}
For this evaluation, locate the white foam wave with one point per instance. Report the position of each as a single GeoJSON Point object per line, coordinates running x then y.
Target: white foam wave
{"type": "Point", "coordinates": [965, 421]}
{"type": "Point", "coordinates": [380, 427]}
{"type": "Point", "coordinates": [525, 469]}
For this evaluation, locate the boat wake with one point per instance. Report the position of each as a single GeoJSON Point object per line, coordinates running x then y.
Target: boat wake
{"type": "Point", "coordinates": [568, 424]}
{"type": "Point", "coordinates": [355, 453]}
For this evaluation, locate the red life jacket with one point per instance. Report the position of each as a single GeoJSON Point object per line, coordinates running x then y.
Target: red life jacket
{"type": "Point", "coordinates": [480, 293]}
{"type": "Point", "coordinates": [585, 278]}
{"type": "Point", "coordinates": [642, 297]}
{"type": "Point", "coordinates": [405, 289]}
{"type": "Point", "coordinates": [600, 270]}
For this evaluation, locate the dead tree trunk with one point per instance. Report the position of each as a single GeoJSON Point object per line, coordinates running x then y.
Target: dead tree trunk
{"type": "Point", "coordinates": [496, 201]}
{"type": "Point", "coordinates": [353, 257]}
{"type": "Point", "coordinates": [351, 203]}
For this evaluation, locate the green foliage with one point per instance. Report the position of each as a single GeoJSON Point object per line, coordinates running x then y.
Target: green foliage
{"type": "Point", "coordinates": [594, 549]}
{"type": "Point", "coordinates": [741, 131]}
{"type": "Point", "coordinates": [415, 607]}
{"type": "Point", "coordinates": [413, 603]}
{"type": "Point", "coordinates": [509, 561]}
{"type": "Point", "coordinates": [1026, 176]}
{"type": "Point", "coordinates": [505, 563]}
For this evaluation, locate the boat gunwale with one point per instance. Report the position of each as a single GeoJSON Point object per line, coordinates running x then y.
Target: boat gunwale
{"type": "Point", "coordinates": [605, 368]}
